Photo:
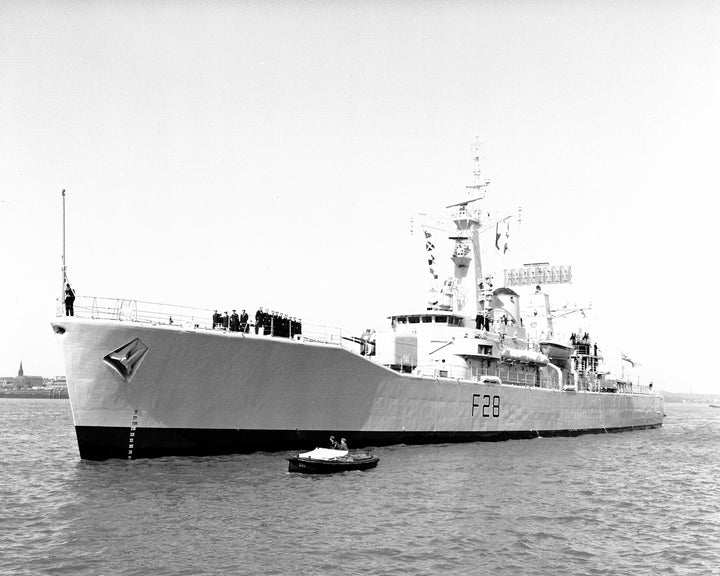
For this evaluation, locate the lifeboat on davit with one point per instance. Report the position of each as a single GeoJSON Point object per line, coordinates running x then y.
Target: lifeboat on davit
{"type": "Point", "coordinates": [559, 354]}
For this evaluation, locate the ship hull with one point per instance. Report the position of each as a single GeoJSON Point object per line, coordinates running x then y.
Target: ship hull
{"type": "Point", "coordinates": [140, 391]}
{"type": "Point", "coordinates": [103, 443]}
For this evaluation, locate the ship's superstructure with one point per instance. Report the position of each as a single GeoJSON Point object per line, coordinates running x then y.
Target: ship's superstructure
{"type": "Point", "coordinates": [476, 363]}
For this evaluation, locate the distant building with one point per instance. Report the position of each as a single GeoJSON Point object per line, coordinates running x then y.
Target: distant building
{"type": "Point", "coordinates": [21, 382]}
{"type": "Point", "coordinates": [56, 382]}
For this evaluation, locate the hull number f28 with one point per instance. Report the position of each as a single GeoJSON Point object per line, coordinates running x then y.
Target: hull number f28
{"type": "Point", "coordinates": [485, 405]}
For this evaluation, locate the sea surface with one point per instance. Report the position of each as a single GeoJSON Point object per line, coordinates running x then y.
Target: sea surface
{"type": "Point", "coordinates": [645, 502]}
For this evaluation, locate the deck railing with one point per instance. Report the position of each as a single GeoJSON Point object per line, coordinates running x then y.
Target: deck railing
{"type": "Point", "coordinates": [159, 314]}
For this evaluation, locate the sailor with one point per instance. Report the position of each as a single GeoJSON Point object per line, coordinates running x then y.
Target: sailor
{"type": "Point", "coordinates": [333, 443]}
{"type": "Point", "coordinates": [224, 320]}
{"type": "Point", "coordinates": [234, 322]}
{"type": "Point", "coordinates": [342, 445]}
{"type": "Point", "coordinates": [371, 344]}
{"type": "Point", "coordinates": [269, 322]}
{"type": "Point", "coordinates": [69, 300]}
{"type": "Point", "coordinates": [286, 326]}
{"type": "Point", "coordinates": [216, 319]}
{"type": "Point", "coordinates": [243, 321]}
{"type": "Point", "coordinates": [258, 319]}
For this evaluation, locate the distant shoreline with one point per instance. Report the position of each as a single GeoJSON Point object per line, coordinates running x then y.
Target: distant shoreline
{"type": "Point", "coordinates": [49, 394]}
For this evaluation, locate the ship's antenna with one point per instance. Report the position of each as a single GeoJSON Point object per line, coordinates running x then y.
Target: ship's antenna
{"type": "Point", "coordinates": [478, 182]}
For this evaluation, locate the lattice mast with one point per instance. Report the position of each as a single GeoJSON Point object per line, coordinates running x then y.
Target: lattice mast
{"type": "Point", "coordinates": [466, 215]}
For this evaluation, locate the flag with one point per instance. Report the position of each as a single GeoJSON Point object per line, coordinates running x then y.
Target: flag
{"type": "Point", "coordinates": [626, 358]}
{"type": "Point", "coordinates": [428, 244]}
{"type": "Point", "coordinates": [429, 247]}
{"type": "Point", "coordinates": [497, 236]}
{"type": "Point", "coordinates": [507, 237]}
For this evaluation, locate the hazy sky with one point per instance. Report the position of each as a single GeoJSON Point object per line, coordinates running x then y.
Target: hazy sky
{"type": "Point", "coordinates": [244, 154]}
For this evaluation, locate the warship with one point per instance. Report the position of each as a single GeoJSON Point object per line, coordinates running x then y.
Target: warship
{"type": "Point", "coordinates": [475, 363]}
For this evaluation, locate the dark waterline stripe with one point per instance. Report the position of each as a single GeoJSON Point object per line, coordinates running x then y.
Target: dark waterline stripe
{"type": "Point", "coordinates": [103, 443]}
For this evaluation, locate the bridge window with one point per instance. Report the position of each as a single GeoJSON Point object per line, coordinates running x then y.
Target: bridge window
{"type": "Point", "coordinates": [414, 319]}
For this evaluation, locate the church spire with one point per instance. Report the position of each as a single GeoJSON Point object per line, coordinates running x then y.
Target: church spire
{"type": "Point", "coordinates": [20, 372]}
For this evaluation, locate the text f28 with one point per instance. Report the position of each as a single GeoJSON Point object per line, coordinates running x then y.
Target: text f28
{"type": "Point", "coordinates": [490, 406]}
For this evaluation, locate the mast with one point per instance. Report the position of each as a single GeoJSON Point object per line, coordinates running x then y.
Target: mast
{"type": "Point", "coordinates": [64, 267]}
{"type": "Point", "coordinates": [476, 190]}
{"type": "Point", "coordinates": [467, 246]}
{"type": "Point", "coordinates": [464, 292]}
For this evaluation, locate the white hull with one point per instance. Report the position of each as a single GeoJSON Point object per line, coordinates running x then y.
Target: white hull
{"type": "Point", "coordinates": [204, 392]}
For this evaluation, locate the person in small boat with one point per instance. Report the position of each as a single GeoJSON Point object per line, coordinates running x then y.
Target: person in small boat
{"type": "Point", "coordinates": [342, 445]}
{"type": "Point", "coordinates": [333, 443]}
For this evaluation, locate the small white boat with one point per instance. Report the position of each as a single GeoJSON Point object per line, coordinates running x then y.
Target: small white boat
{"type": "Point", "coordinates": [327, 461]}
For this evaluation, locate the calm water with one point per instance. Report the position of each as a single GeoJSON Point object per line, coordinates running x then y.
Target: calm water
{"type": "Point", "coordinates": [645, 502]}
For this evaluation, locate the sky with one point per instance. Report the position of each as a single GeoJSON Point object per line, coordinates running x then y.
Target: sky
{"type": "Point", "coordinates": [244, 154]}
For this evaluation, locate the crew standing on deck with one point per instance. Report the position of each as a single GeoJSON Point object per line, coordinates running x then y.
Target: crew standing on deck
{"type": "Point", "coordinates": [479, 321]}
{"type": "Point", "coordinates": [243, 321]}
{"type": "Point", "coordinates": [69, 300]}
{"type": "Point", "coordinates": [234, 322]}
